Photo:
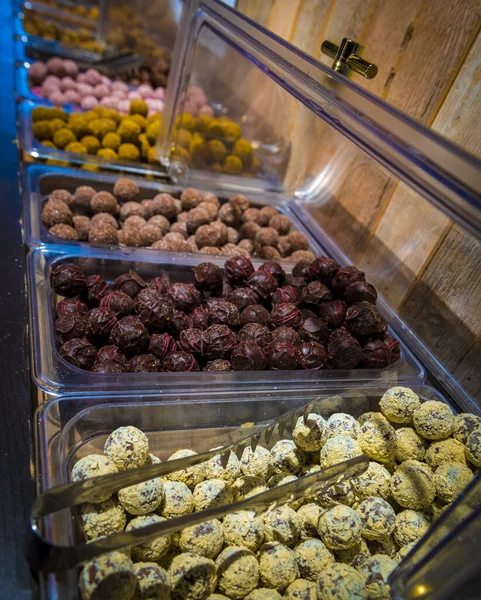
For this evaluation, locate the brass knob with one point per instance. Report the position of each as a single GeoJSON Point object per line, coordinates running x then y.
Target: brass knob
{"type": "Point", "coordinates": [347, 58]}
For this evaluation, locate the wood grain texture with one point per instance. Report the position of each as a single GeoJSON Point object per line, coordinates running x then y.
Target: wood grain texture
{"type": "Point", "coordinates": [255, 10]}
{"type": "Point", "coordinates": [283, 17]}
{"type": "Point", "coordinates": [311, 25]}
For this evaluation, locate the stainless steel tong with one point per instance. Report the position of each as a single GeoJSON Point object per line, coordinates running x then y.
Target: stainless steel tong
{"type": "Point", "coordinates": [48, 556]}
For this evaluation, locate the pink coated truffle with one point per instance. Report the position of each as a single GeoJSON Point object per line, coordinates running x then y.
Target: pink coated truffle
{"type": "Point", "coordinates": [120, 94]}
{"type": "Point", "coordinates": [37, 72]}
{"type": "Point", "coordinates": [124, 106]}
{"type": "Point", "coordinates": [206, 110]}
{"type": "Point", "coordinates": [89, 102]}
{"type": "Point", "coordinates": [159, 93]}
{"type": "Point", "coordinates": [145, 91]}
{"type": "Point", "coordinates": [101, 90]}
{"type": "Point", "coordinates": [37, 91]}
{"type": "Point", "coordinates": [67, 83]}
{"type": "Point", "coordinates": [53, 79]}
{"type": "Point", "coordinates": [120, 85]}
{"type": "Point", "coordinates": [71, 68]}
{"type": "Point", "coordinates": [56, 97]}
{"type": "Point", "coordinates": [133, 95]}
{"type": "Point", "coordinates": [49, 88]}
{"type": "Point", "coordinates": [84, 89]}
{"type": "Point", "coordinates": [110, 102]}
{"type": "Point", "coordinates": [93, 77]}
{"type": "Point", "coordinates": [72, 96]}
{"type": "Point", "coordinates": [55, 66]}
{"type": "Point", "coordinates": [106, 81]}
{"type": "Point", "coordinates": [81, 78]}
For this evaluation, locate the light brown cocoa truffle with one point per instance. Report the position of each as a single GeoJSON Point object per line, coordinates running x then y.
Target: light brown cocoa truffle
{"type": "Point", "coordinates": [130, 236]}
{"type": "Point", "coordinates": [248, 230]}
{"type": "Point", "coordinates": [192, 243]}
{"type": "Point", "coordinates": [103, 234]}
{"type": "Point", "coordinates": [190, 198]}
{"type": "Point", "coordinates": [164, 204]}
{"type": "Point", "coordinates": [211, 198]}
{"type": "Point", "coordinates": [182, 216]}
{"type": "Point", "coordinates": [214, 234]}
{"type": "Point", "coordinates": [211, 209]}
{"type": "Point", "coordinates": [232, 235]}
{"type": "Point", "coordinates": [82, 226]}
{"type": "Point", "coordinates": [247, 245]}
{"type": "Point", "coordinates": [240, 201]}
{"type": "Point", "coordinates": [126, 190]}
{"type": "Point", "coordinates": [173, 236]}
{"type": "Point", "coordinates": [161, 222]}
{"type": "Point", "coordinates": [210, 250]}
{"type": "Point", "coordinates": [63, 196]}
{"type": "Point", "coordinates": [105, 218]}
{"type": "Point", "coordinates": [303, 256]}
{"type": "Point", "coordinates": [64, 231]}
{"type": "Point", "coordinates": [267, 213]}
{"type": "Point", "coordinates": [148, 206]}
{"type": "Point", "coordinates": [253, 214]}
{"type": "Point", "coordinates": [104, 202]}
{"type": "Point", "coordinates": [56, 212]}
{"type": "Point", "coordinates": [284, 245]}
{"type": "Point", "coordinates": [174, 245]}
{"type": "Point", "coordinates": [229, 214]}
{"type": "Point", "coordinates": [195, 218]}
{"type": "Point", "coordinates": [280, 223]}
{"type": "Point", "coordinates": [269, 253]}
{"type": "Point", "coordinates": [267, 236]}
{"type": "Point", "coordinates": [81, 199]}
{"type": "Point", "coordinates": [298, 240]}
{"type": "Point", "coordinates": [179, 228]}
{"type": "Point", "coordinates": [132, 209]}
{"type": "Point", "coordinates": [149, 234]}
{"type": "Point", "coordinates": [134, 222]}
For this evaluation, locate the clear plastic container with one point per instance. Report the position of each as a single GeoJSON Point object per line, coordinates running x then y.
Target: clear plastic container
{"type": "Point", "coordinates": [54, 375]}
{"type": "Point", "coordinates": [68, 428]}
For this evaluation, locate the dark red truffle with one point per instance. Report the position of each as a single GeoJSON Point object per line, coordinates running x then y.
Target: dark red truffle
{"type": "Point", "coordinates": [100, 322]}
{"type": "Point", "coordinates": [108, 367]}
{"type": "Point", "coordinates": [287, 314]}
{"type": "Point", "coordinates": [339, 332]}
{"type": "Point", "coordinates": [255, 313]}
{"type": "Point", "coordinates": [69, 306]}
{"type": "Point", "coordinates": [67, 280]}
{"type": "Point", "coordinates": [360, 291]}
{"type": "Point", "coordinates": [222, 312]}
{"type": "Point", "coordinates": [344, 352]}
{"type": "Point", "coordinates": [323, 269]}
{"type": "Point", "coordinates": [363, 318]}
{"type": "Point", "coordinates": [302, 269]}
{"type": "Point", "coordinates": [190, 340]}
{"type": "Point", "coordinates": [199, 317]}
{"type": "Point", "coordinates": [184, 296]}
{"type": "Point", "coordinates": [243, 297]}
{"type": "Point", "coordinates": [314, 330]}
{"type": "Point", "coordinates": [257, 333]}
{"type": "Point", "coordinates": [218, 366]}
{"type": "Point", "coordinates": [345, 277]}
{"type": "Point", "coordinates": [306, 313]}
{"type": "Point", "coordinates": [130, 283]}
{"type": "Point", "coordinates": [333, 312]}
{"type": "Point", "coordinates": [218, 341]}
{"type": "Point", "coordinates": [118, 302]}
{"type": "Point", "coordinates": [286, 335]}
{"type": "Point", "coordinates": [159, 284]}
{"type": "Point", "coordinates": [208, 277]}
{"type": "Point", "coordinates": [70, 326]}
{"type": "Point", "coordinates": [312, 356]}
{"type": "Point", "coordinates": [130, 335]}
{"type": "Point", "coordinates": [162, 344]}
{"type": "Point", "coordinates": [155, 311]}
{"type": "Point", "coordinates": [79, 352]}
{"type": "Point", "coordinates": [247, 356]}
{"type": "Point", "coordinates": [297, 282]}
{"type": "Point", "coordinates": [315, 293]}
{"type": "Point", "coordinates": [263, 283]}
{"type": "Point", "coordinates": [394, 348]}
{"type": "Point", "coordinates": [238, 270]}
{"type": "Point", "coordinates": [97, 288]}
{"type": "Point", "coordinates": [179, 362]}
{"type": "Point", "coordinates": [275, 269]}
{"type": "Point", "coordinates": [288, 293]}
{"type": "Point", "coordinates": [180, 321]}
{"type": "Point", "coordinates": [144, 363]}
{"type": "Point", "coordinates": [282, 356]}
{"type": "Point", "coordinates": [112, 353]}
{"type": "Point", "coordinates": [375, 355]}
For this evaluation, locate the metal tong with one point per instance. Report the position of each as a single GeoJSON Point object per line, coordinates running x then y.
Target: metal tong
{"type": "Point", "coordinates": [48, 556]}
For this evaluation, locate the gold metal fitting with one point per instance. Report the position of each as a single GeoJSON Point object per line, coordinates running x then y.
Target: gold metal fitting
{"type": "Point", "coordinates": [347, 58]}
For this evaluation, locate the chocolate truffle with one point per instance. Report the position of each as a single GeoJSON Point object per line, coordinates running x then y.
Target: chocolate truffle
{"type": "Point", "coordinates": [162, 344]}
{"type": "Point", "coordinates": [108, 367]}
{"type": "Point", "coordinates": [315, 293]}
{"type": "Point", "coordinates": [238, 270]}
{"type": "Point", "coordinates": [333, 312]}
{"type": "Point", "coordinates": [218, 365]}
{"type": "Point", "coordinates": [69, 306]}
{"type": "Point", "coordinates": [263, 283]}
{"type": "Point", "coordinates": [161, 222]}
{"type": "Point", "coordinates": [247, 356]}
{"type": "Point", "coordinates": [177, 362]}
{"type": "Point", "coordinates": [155, 311]}
{"type": "Point", "coordinates": [222, 312]}
{"type": "Point", "coordinates": [286, 314]}
{"type": "Point", "coordinates": [344, 352]}
{"type": "Point", "coordinates": [144, 363]}
{"type": "Point", "coordinates": [275, 269]}
{"type": "Point", "coordinates": [340, 528]}
{"type": "Point", "coordinates": [433, 420]}
{"type": "Point", "coordinates": [190, 340]}
{"type": "Point", "coordinates": [323, 269]}
{"type": "Point", "coordinates": [97, 288]}
{"type": "Point", "coordinates": [100, 322]}
{"type": "Point", "coordinates": [286, 335]}
{"type": "Point", "coordinates": [130, 283]}
{"type": "Point", "coordinates": [67, 280]}
{"type": "Point", "coordinates": [363, 318]}
{"type": "Point", "coordinates": [180, 321]}
{"type": "Point", "coordinates": [344, 277]}
{"type": "Point", "coordinates": [248, 230]}
{"type": "Point", "coordinates": [208, 277]}
{"type": "Point", "coordinates": [375, 355]}
{"type": "Point", "coordinates": [104, 202]}
{"type": "Point", "coordinates": [126, 190]}
{"type": "Point", "coordinates": [314, 330]}
{"type": "Point", "coordinates": [257, 333]}
{"type": "Point", "coordinates": [184, 296]}
{"type": "Point", "coordinates": [312, 356]}
{"type": "Point", "coordinates": [104, 218]}
{"type": "Point", "coordinates": [282, 356]}
{"type": "Point", "coordinates": [177, 501]}
{"type": "Point", "coordinates": [218, 341]}
{"type": "Point", "coordinates": [267, 236]}
{"type": "Point", "coordinates": [277, 566]}
{"type": "Point", "coordinates": [164, 204]}
{"type": "Point", "coordinates": [243, 297]}
{"type": "Point", "coordinates": [118, 302]}
{"type": "Point", "coordinates": [412, 485]}
{"type": "Point", "coordinates": [199, 317]}
{"type": "Point", "coordinates": [70, 326]}
{"type": "Point", "coordinates": [112, 353]}
{"type": "Point", "coordinates": [312, 558]}
{"type": "Point", "coordinates": [160, 285]}
{"type": "Point", "coordinates": [360, 291]}
{"type": "Point", "coordinates": [66, 232]}
{"type": "Point", "coordinates": [377, 518]}
{"type": "Point", "coordinates": [344, 424]}
{"type": "Point", "coordinates": [79, 352]}
{"type": "Point", "coordinates": [255, 313]}
{"type": "Point", "coordinates": [130, 335]}
{"type": "Point", "coordinates": [152, 581]}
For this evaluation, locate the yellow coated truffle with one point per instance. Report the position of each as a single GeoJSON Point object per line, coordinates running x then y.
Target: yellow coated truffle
{"type": "Point", "coordinates": [376, 571]}
{"type": "Point", "coordinates": [127, 447]}
{"type": "Point", "coordinates": [152, 582]}
{"type": "Point", "coordinates": [211, 493]}
{"type": "Point", "coordinates": [312, 557]}
{"type": "Point", "coordinates": [375, 481]}
{"type": "Point", "coordinates": [434, 420]}
{"type": "Point", "coordinates": [378, 440]}
{"type": "Point", "coordinates": [205, 539]}
{"type": "Point", "coordinates": [444, 451]}
{"type": "Point", "coordinates": [301, 589]}
{"type": "Point", "coordinates": [338, 449]}
{"type": "Point", "coordinates": [343, 424]}
{"type": "Point", "coordinates": [102, 519]}
{"type": "Point", "coordinates": [451, 479]}
{"type": "Point", "coordinates": [277, 566]}
{"type": "Point", "coordinates": [473, 447]}
{"type": "Point", "coordinates": [311, 434]}
{"type": "Point", "coordinates": [282, 524]}
{"type": "Point", "coordinates": [192, 577]}
{"type": "Point", "coordinates": [258, 462]}
{"type": "Point", "coordinates": [464, 424]}
{"type": "Point", "coordinates": [151, 551]}
{"type": "Point", "coordinates": [410, 526]}
{"type": "Point", "coordinates": [340, 527]}
{"type": "Point", "coordinates": [412, 485]}
{"type": "Point", "coordinates": [177, 500]}
{"type": "Point", "coordinates": [377, 518]}
{"type": "Point", "coordinates": [190, 476]}
{"type": "Point", "coordinates": [409, 445]}
{"type": "Point", "coordinates": [341, 582]}
{"type": "Point", "coordinates": [398, 404]}
{"type": "Point", "coordinates": [142, 498]}
{"type": "Point", "coordinates": [245, 529]}
{"type": "Point", "coordinates": [237, 571]}
{"type": "Point", "coordinates": [108, 576]}
{"type": "Point", "coordinates": [93, 465]}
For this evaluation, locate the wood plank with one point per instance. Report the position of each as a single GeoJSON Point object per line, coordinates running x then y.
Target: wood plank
{"type": "Point", "coordinates": [468, 372]}
{"type": "Point", "coordinates": [255, 10]}
{"type": "Point", "coordinates": [283, 17]}
{"type": "Point", "coordinates": [311, 24]}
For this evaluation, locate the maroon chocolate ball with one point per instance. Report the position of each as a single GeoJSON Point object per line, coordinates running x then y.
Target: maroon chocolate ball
{"type": "Point", "coordinates": [179, 362]}
{"type": "Point", "coordinates": [112, 353]}
{"type": "Point", "coordinates": [190, 340]}
{"type": "Point", "coordinates": [255, 313]}
{"type": "Point", "coordinates": [67, 280]}
{"type": "Point", "coordinates": [286, 335]}
{"type": "Point", "coordinates": [360, 291]}
{"type": "Point", "coordinates": [70, 326]}
{"type": "Point", "coordinates": [282, 356]}
{"type": "Point", "coordinates": [222, 312]}
{"type": "Point", "coordinates": [315, 293]}
{"type": "Point", "coordinates": [100, 322]}
{"type": "Point", "coordinates": [363, 318]}
{"type": "Point", "coordinates": [180, 321]}
{"type": "Point", "coordinates": [288, 293]}
{"type": "Point", "coordinates": [218, 366]}
{"type": "Point", "coordinates": [69, 306]}
{"type": "Point", "coordinates": [79, 352]}
{"type": "Point", "coordinates": [314, 329]}
{"type": "Point", "coordinates": [263, 283]}
{"type": "Point", "coordinates": [118, 302]}
{"type": "Point", "coordinates": [393, 346]}
{"type": "Point", "coordinates": [339, 332]}
{"type": "Point", "coordinates": [218, 341]}
{"type": "Point", "coordinates": [184, 296]}
{"type": "Point", "coordinates": [243, 297]}
{"type": "Point", "coordinates": [144, 363]}
{"type": "Point", "coordinates": [333, 312]}
{"type": "Point", "coordinates": [299, 283]}
{"type": "Point", "coordinates": [257, 333]}
{"type": "Point", "coordinates": [306, 313]}
{"type": "Point", "coordinates": [208, 277]}
{"type": "Point", "coordinates": [226, 290]}
{"type": "Point", "coordinates": [199, 317]}
{"type": "Point", "coordinates": [286, 314]}
{"type": "Point", "coordinates": [97, 288]}
{"type": "Point", "coordinates": [275, 269]}
{"type": "Point", "coordinates": [130, 283]}
{"type": "Point", "coordinates": [108, 367]}
{"type": "Point", "coordinates": [238, 269]}
{"type": "Point", "coordinates": [162, 344]}
{"type": "Point", "coordinates": [130, 335]}
{"type": "Point", "coordinates": [344, 277]}
{"type": "Point", "coordinates": [159, 284]}
{"type": "Point", "coordinates": [247, 356]}
{"type": "Point", "coordinates": [312, 356]}
{"type": "Point", "coordinates": [303, 269]}
{"type": "Point", "coordinates": [344, 352]}
{"type": "Point", "coordinates": [154, 310]}
{"type": "Point", "coordinates": [323, 269]}
{"type": "Point", "coordinates": [375, 355]}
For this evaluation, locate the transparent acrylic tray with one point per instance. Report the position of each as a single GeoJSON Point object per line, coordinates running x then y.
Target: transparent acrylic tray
{"type": "Point", "coordinates": [54, 375]}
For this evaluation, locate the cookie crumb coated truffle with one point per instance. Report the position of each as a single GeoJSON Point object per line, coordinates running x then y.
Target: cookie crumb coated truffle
{"type": "Point", "coordinates": [451, 479]}
{"type": "Point", "coordinates": [464, 424]}
{"type": "Point", "coordinates": [445, 451]}
{"type": "Point", "coordinates": [398, 404]}
{"type": "Point", "coordinates": [312, 558]}
{"type": "Point", "coordinates": [410, 526]}
{"type": "Point", "coordinates": [93, 465]}
{"type": "Point", "coordinates": [245, 529]}
{"type": "Point", "coordinates": [412, 485]}
{"type": "Point", "coordinates": [127, 447]}
{"type": "Point", "coordinates": [102, 519]}
{"type": "Point", "coordinates": [340, 527]}
{"type": "Point", "coordinates": [211, 493]}
{"type": "Point", "coordinates": [177, 500]}
{"type": "Point", "coordinates": [277, 566]}
{"type": "Point", "coordinates": [338, 449]}
{"type": "Point", "coordinates": [192, 577]}
{"type": "Point", "coordinates": [287, 457]}
{"type": "Point", "coordinates": [110, 575]}
{"type": "Point", "coordinates": [376, 571]}
{"type": "Point", "coordinates": [409, 445]}
{"type": "Point", "coordinates": [343, 424]}
{"type": "Point", "coordinates": [473, 447]}
{"type": "Point", "coordinates": [375, 481]}
{"type": "Point", "coordinates": [142, 498]}
{"type": "Point", "coordinates": [377, 440]}
{"type": "Point", "coordinates": [264, 594]}
{"type": "Point", "coordinates": [205, 539]}
{"type": "Point", "coordinates": [237, 571]}
{"type": "Point", "coordinates": [433, 420]}
{"type": "Point", "coordinates": [282, 525]}
{"type": "Point", "coordinates": [309, 515]}
{"type": "Point", "coordinates": [377, 517]}
{"type": "Point", "coordinates": [355, 555]}
{"type": "Point", "coordinates": [191, 476]}
{"type": "Point", "coordinates": [153, 550]}
{"type": "Point", "coordinates": [258, 462]}
{"type": "Point", "coordinates": [152, 581]}
{"type": "Point", "coordinates": [301, 589]}
{"type": "Point", "coordinates": [341, 582]}
{"type": "Point", "coordinates": [310, 434]}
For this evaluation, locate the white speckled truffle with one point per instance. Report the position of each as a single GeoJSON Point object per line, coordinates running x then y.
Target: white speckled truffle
{"type": "Point", "coordinates": [93, 465]}
{"type": "Point", "coordinates": [282, 479]}
{"type": "Point", "coordinates": [464, 424]}
{"type": "Point", "coordinates": [142, 498]}
{"type": "Point", "coordinates": [243, 528]}
{"type": "Point", "coordinates": [312, 558]}
{"type": "Point", "coordinates": [257, 463]}
{"type": "Point", "coordinates": [229, 473]}
{"type": "Point", "coordinates": [451, 479]}
{"type": "Point", "coordinates": [108, 576]}
{"type": "Point", "coordinates": [309, 515]}
{"type": "Point", "coordinates": [102, 519]}
{"type": "Point", "coordinates": [473, 447]}
{"type": "Point", "coordinates": [149, 551]}
{"type": "Point", "coordinates": [248, 486]}
{"type": "Point", "coordinates": [277, 566]}
{"type": "Point", "coordinates": [190, 476]}
{"type": "Point", "coordinates": [127, 447]}
{"type": "Point", "coordinates": [310, 434]}
{"type": "Point", "coordinates": [264, 594]}
{"type": "Point", "coordinates": [398, 404]}
{"type": "Point", "coordinates": [237, 571]}
{"type": "Point", "coordinates": [377, 570]}
{"type": "Point", "coordinates": [412, 485]}
{"type": "Point", "coordinates": [301, 589]}
{"type": "Point", "coordinates": [409, 445]}
{"type": "Point", "coordinates": [403, 552]}
{"type": "Point", "coordinates": [443, 452]}
{"type": "Point", "coordinates": [378, 440]}
{"type": "Point", "coordinates": [177, 500]}
{"type": "Point", "coordinates": [205, 538]}
{"type": "Point", "coordinates": [287, 457]}
{"type": "Point", "coordinates": [410, 526]}
{"type": "Point", "coordinates": [192, 577]}
{"type": "Point", "coordinates": [338, 449]}
{"type": "Point", "coordinates": [354, 556]}
{"type": "Point", "coordinates": [344, 424]}
{"type": "Point", "coordinates": [282, 525]}
{"type": "Point", "coordinates": [211, 493]}
{"type": "Point", "coordinates": [434, 420]}
{"type": "Point", "coordinates": [340, 493]}
{"type": "Point", "coordinates": [375, 481]}
{"type": "Point", "coordinates": [152, 582]}
{"type": "Point", "coordinates": [341, 582]}
{"type": "Point", "coordinates": [340, 527]}
{"type": "Point", "coordinates": [377, 517]}
{"type": "Point", "coordinates": [385, 546]}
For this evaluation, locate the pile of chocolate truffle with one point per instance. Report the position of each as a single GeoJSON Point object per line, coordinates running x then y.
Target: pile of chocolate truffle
{"type": "Point", "coordinates": [238, 319]}
{"type": "Point", "coordinates": [348, 537]}
{"type": "Point", "coordinates": [196, 222]}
